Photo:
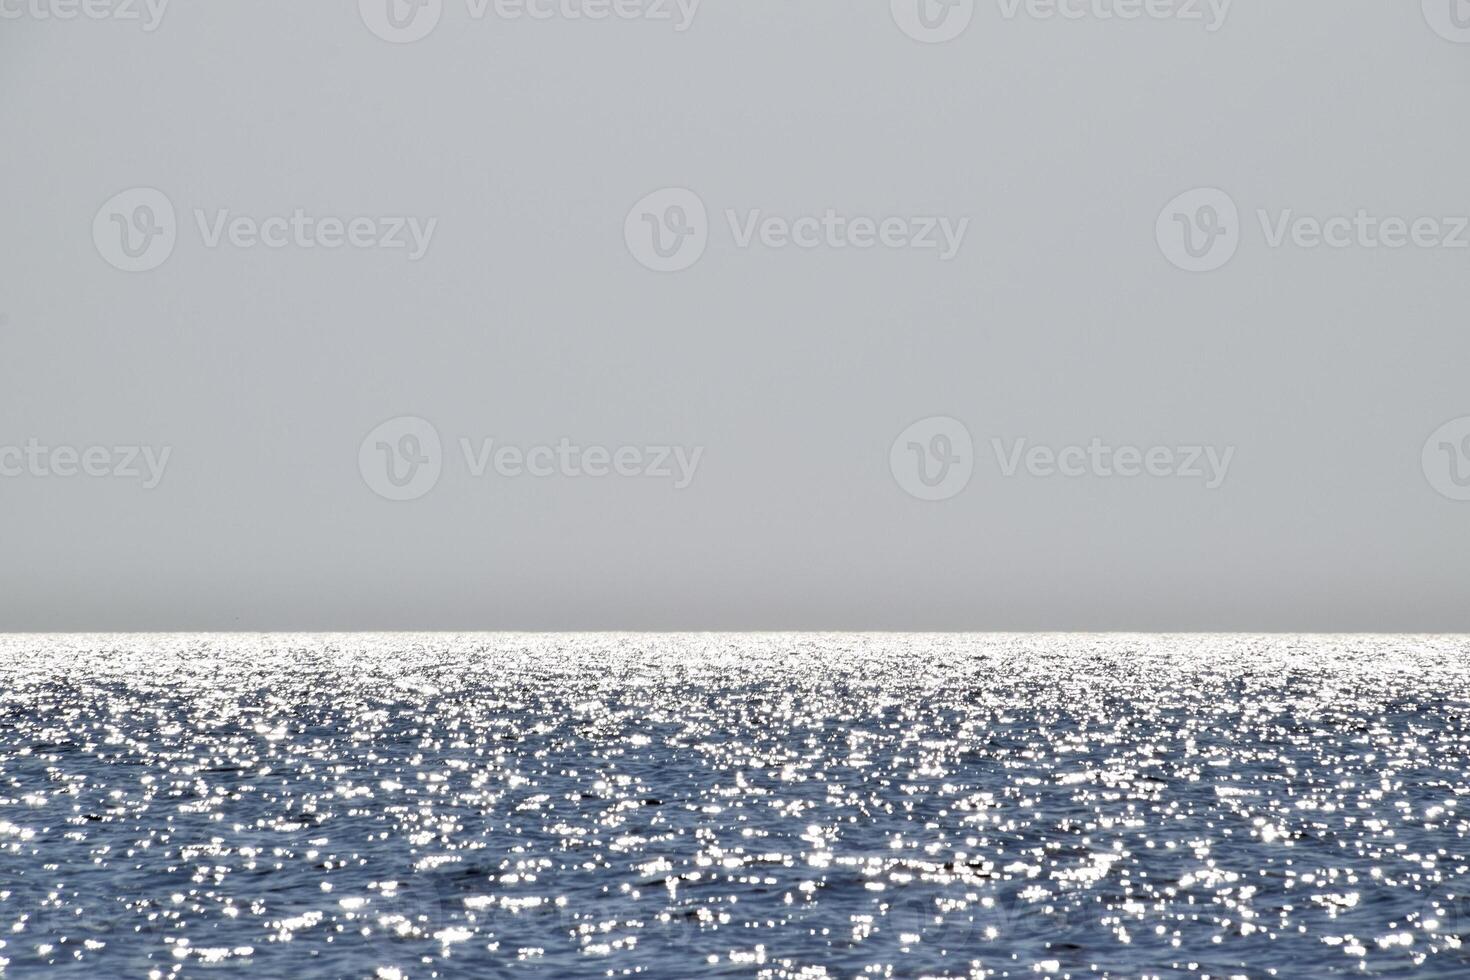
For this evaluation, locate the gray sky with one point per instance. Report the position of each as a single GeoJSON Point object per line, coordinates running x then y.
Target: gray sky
{"type": "Point", "coordinates": [862, 326]}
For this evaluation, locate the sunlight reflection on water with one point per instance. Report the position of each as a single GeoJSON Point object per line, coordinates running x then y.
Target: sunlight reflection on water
{"type": "Point", "coordinates": [773, 805]}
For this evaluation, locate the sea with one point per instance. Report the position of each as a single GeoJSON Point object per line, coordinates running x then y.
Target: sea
{"type": "Point", "coordinates": [734, 805]}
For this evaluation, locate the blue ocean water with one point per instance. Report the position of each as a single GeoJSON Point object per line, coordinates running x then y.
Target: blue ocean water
{"type": "Point", "coordinates": [734, 805]}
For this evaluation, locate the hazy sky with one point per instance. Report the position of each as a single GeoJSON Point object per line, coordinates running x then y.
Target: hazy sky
{"type": "Point", "coordinates": [737, 314]}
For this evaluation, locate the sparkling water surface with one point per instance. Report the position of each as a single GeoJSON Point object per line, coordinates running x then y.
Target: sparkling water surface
{"type": "Point", "coordinates": [734, 805]}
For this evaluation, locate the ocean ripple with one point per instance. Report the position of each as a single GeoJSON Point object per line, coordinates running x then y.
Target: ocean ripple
{"type": "Point", "coordinates": [734, 805]}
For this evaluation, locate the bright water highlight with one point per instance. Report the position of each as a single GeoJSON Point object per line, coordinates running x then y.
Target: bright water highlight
{"type": "Point", "coordinates": [734, 805]}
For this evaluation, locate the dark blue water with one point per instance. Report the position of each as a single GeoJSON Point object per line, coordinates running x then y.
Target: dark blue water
{"type": "Point", "coordinates": [774, 806]}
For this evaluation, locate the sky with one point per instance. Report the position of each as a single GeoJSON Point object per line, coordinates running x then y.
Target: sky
{"type": "Point", "coordinates": [735, 315]}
